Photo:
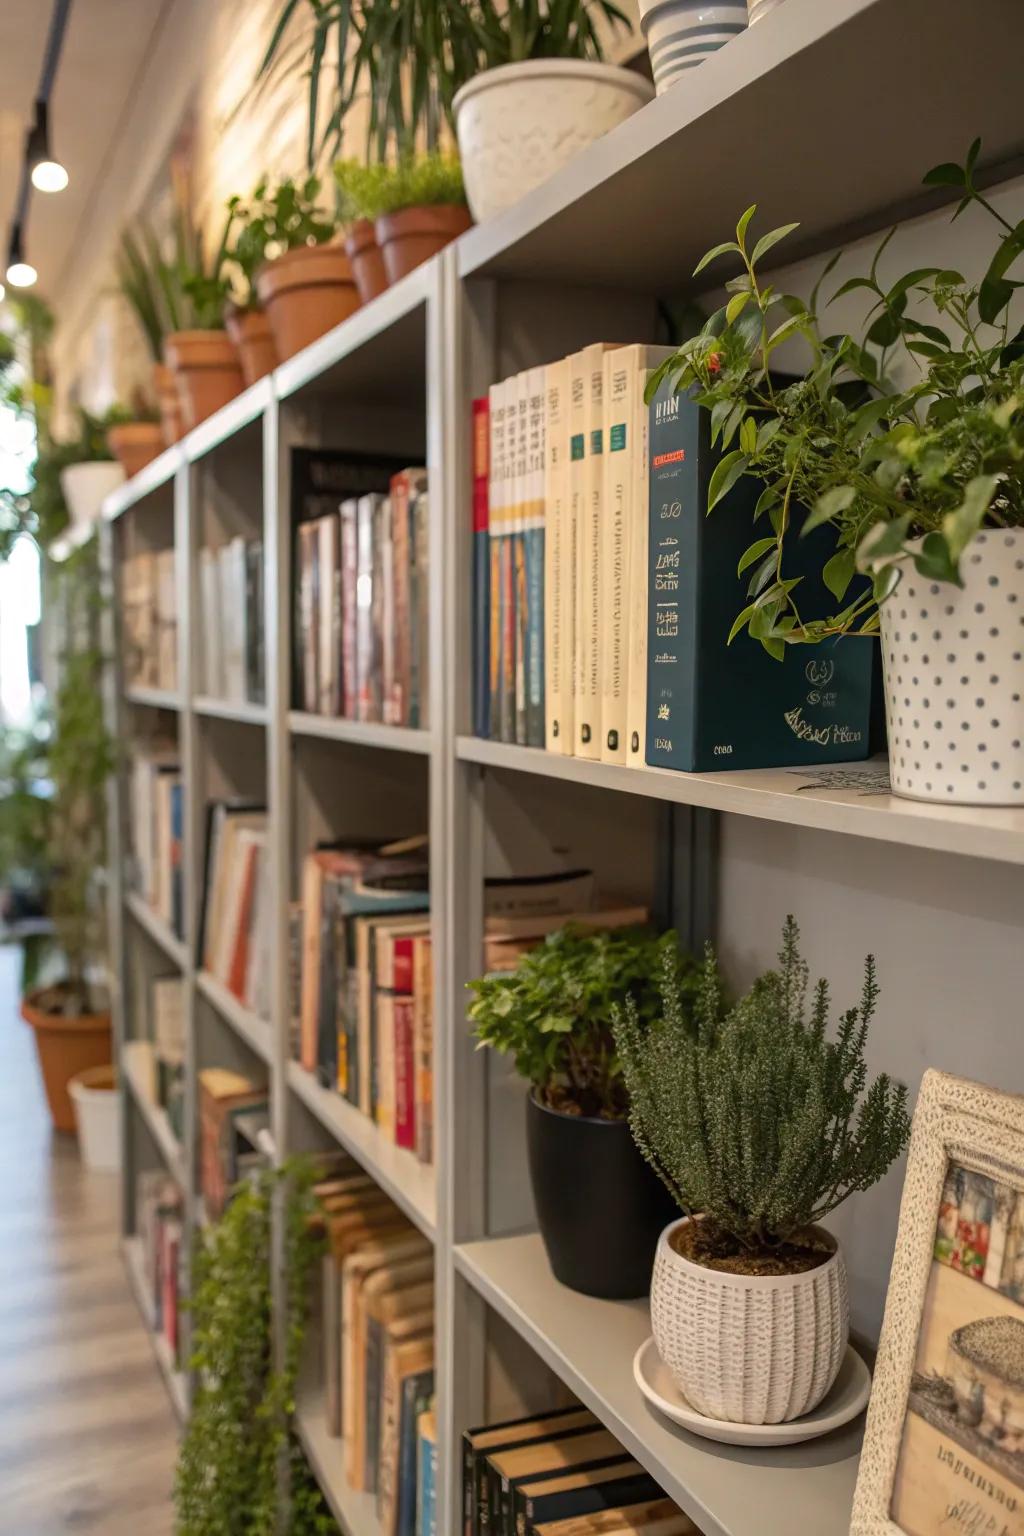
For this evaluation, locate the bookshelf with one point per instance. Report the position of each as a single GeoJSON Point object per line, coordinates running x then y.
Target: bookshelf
{"type": "Point", "coordinates": [582, 257]}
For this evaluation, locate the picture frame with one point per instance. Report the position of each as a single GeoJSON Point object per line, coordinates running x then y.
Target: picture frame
{"type": "Point", "coordinates": [944, 1440]}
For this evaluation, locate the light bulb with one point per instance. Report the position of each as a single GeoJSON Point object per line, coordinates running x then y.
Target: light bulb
{"type": "Point", "coordinates": [21, 274]}
{"type": "Point", "coordinates": [49, 176]}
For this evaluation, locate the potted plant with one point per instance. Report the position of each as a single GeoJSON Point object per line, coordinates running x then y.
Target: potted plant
{"type": "Point", "coordinates": [759, 1125]}
{"type": "Point", "coordinates": [599, 1209]}
{"type": "Point", "coordinates": [201, 357]}
{"type": "Point", "coordinates": [70, 480]}
{"type": "Point", "coordinates": [922, 485]}
{"type": "Point", "coordinates": [418, 205]}
{"type": "Point", "coordinates": [681, 34]}
{"type": "Point", "coordinates": [540, 92]}
{"type": "Point", "coordinates": [152, 286]}
{"type": "Point", "coordinates": [286, 251]}
{"type": "Point", "coordinates": [135, 437]}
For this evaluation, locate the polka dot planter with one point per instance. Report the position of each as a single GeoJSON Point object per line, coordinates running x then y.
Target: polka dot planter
{"type": "Point", "coordinates": [953, 659]}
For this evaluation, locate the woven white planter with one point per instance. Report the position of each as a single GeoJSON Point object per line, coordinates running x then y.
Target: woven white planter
{"type": "Point", "coordinates": [752, 1349]}
{"type": "Point", "coordinates": [520, 123]}
{"type": "Point", "coordinates": [682, 33]}
{"type": "Point", "coordinates": [953, 661]}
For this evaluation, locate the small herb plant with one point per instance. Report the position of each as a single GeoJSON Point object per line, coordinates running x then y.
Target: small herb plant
{"type": "Point", "coordinates": [240, 1451]}
{"type": "Point", "coordinates": [274, 220]}
{"type": "Point", "coordinates": [370, 191]}
{"type": "Point", "coordinates": [531, 29]}
{"type": "Point", "coordinates": [900, 474]}
{"type": "Point", "coordinates": [553, 1013]}
{"type": "Point", "coordinates": [754, 1118]}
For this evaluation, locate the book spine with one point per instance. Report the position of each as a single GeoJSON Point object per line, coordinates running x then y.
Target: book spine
{"type": "Point", "coordinates": [253, 626]}
{"type": "Point", "coordinates": [557, 574]}
{"type": "Point", "coordinates": [402, 488]}
{"type": "Point", "coordinates": [533, 539]}
{"type": "Point", "coordinates": [349, 577]}
{"type": "Point", "coordinates": [519, 577]}
{"type": "Point", "coordinates": [620, 368]}
{"type": "Point", "coordinates": [381, 608]}
{"type": "Point", "coordinates": [326, 639]}
{"type": "Point", "coordinates": [405, 1072]}
{"type": "Point", "coordinates": [637, 581]}
{"type": "Point", "coordinates": [495, 533]}
{"type": "Point", "coordinates": [672, 564]}
{"type": "Point", "coordinates": [384, 1064]}
{"type": "Point", "coordinates": [374, 1386]}
{"type": "Point", "coordinates": [481, 566]}
{"type": "Point", "coordinates": [419, 708]}
{"type": "Point", "coordinates": [588, 547]}
{"type": "Point", "coordinates": [509, 512]}
{"type": "Point", "coordinates": [423, 1049]}
{"type": "Point", "coordinates": [364, 605]}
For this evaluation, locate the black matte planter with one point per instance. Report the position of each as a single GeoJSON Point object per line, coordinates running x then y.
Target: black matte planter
{"type": "Point", "coordinates": [599, 1206]}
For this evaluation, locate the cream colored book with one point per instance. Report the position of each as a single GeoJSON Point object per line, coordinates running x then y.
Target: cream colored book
{"type": "Point", "coordinates": [637, 578]}
{"type": "Point", "coordinates": [587, 483]}
{"type": "Point", "coordinates": [559, 578]}
{"type": "Point", "coordinates": [613, 535]}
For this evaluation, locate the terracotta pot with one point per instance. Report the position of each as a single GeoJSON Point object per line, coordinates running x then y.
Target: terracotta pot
{"type": "Point", "coordinates": [206, 370]}
{"type": "Point", "coordinates": [135, 444]}
{"type": "Point", "coordinates": [253, 340]}
{"type": "Point", "coordinates": [67, 1045]}
{"type": "Point", "coordinates": [413, 235]}
{"type": "Point", "coordinates": [367, 259]}
{"type": "Point", "coordinates": [306, 293]}
{"type": "Point", "coordinates": [171, 420]}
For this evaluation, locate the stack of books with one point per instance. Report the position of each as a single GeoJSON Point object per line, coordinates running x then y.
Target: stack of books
{"type": "Point", "coordinates": [560, 1474]}
{"type": "Point", "coordinates": [361, 611]}
{"type": "Point", "coordinates": [231, 622]}
{"type": "Point", "coordinates": [157, 819]}
{"type": "Point", "coordinates": [167, 1032]}
{"type": "Point", "coordinates": [159, 1225]}
{"type": "Point", "coordinates": [233, 1111]}
{"type": "Point", "coordinates": [149, 620]}
{"type": "Point", "coordinates": [604, 595]}
{"type": "Point", "coordinates": [236, 907]}
{"type": "Point", "coordinates": [378, 1350]}
{"type": "Point", "coordinates": [365, 1008]}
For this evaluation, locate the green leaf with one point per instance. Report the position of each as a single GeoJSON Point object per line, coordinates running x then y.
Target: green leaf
{"type": "Point", "coordinates": [869, 415]}
{"type": "Point", "coordinates": [740, 622]}
{"type": "Point", "coordinates": [791, 327]}
{"type": "Point", "coordinates": [756, 550]}
{"type": "Point", "coordinates": [828, 506]}
{"type": "Point", "coordinates": [726, 473]}
{"type": "Point", "coordinates": [714, 253]}
{"type": "Point", "coordinates": [838, 572]}
{"type": "Point", "coordinates": [736, 305]}
{"type": "Point", "coordinates": [775, 647]}
{"type": "Point", "coordinates": [945, 175]}
{"type": "Point", "coordinates": [883, 539]}
{"type": "Point", "coordinates": [748, 436]}
{"type": "Point", "coordinates": [908, 281]}
{"type": "Point", "coordinates": [773, 237]}
{"type": "Point", "coordinates": [934, 560]}
{"type": "Point", "coordinates": [885, 330]}
{"type": "Point", "coordinates": [960, 526]}
{"type": "Point", "coordinates": [745, 218]}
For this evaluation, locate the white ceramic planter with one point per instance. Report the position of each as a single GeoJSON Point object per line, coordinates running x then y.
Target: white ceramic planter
{"type": "Point", "coordinates": [519, 124]}
{"type": "Point", "coordinates": [751, 1349]}
{"type": "Point", "coordinates": [86, 486]}
{"type": "Point", "coordinates": [682, 33]}
{"type": "Point", "coordinates": [953, 661]}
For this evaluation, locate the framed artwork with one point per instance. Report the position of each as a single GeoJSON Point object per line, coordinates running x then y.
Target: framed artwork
{"type": "Point", "coordinates": [944, 1442]}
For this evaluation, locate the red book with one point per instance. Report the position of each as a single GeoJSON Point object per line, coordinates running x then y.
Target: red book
{"type": "Point", "coordinates": [240, 954]}
{"type": "Point", "coordinates": [405, 1082]}
{"type": "Point", "coordinates": [401, 973]}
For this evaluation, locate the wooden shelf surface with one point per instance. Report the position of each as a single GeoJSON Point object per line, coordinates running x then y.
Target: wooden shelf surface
{"type": "Point", "coordinates": [366, 733]}
{"type": "Point", "coordinates": [160, 932]}
{"type": "Point", "coordinates": [356, 1513]}
{"type": "Point", "coordinates": [256, 1032]}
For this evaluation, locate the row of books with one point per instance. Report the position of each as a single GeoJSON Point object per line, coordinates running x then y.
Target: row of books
{"type": "Point", "coordinates": [377, 1353]}
{"type": "Point", "coordinates": [365, 1000]}
{"type": "Point", "coordinates": [361, 608]}
{"type": "Point", "coordinates": [157, 819]}
{"type": "Point", "coordinates": [160, 1050]}
{"type": "Point", "coordinates": [560, 1474]}
{"type": "Point", "coordinates": [149, 619]}
{"type": "Point", "coordinates": [234, 1114]}
{"type": "Point", "coordinates": [236, 910]}
{"type": "Point", "coordinates": [159, 1221]}
{"type": "Point", "coordinates": [604, 596]}
{"type": "Point", "coordinates": [232, 655]}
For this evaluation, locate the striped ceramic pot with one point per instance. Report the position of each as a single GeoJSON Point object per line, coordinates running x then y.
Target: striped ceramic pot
{"type": "Point", "coordinates": [682, 33]}
{"type": "Point", "coordinates": [759, 9]}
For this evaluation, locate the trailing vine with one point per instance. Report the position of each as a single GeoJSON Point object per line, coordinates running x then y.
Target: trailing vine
{"type": "Point", "coordinates": [240, 1455]}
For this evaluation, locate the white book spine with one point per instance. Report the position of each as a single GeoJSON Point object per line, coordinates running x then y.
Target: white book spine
{"type": "Point", "coordinates": [620, 368]}
{"type": "Point", "coordinates": [588, 529]}
{"type": "Point", "coordinates": [497, 503]}
{"type": "Point", "coordinates": [558, 576]}
{"type": "Point", "coordinates": [636, 587]}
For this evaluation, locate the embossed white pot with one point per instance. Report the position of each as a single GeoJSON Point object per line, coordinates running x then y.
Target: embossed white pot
{"type": "Point", "coordinates": [520, 123]}
{"type": "Point", "coordinates": [682, 33]}
{"type": "Point", "coordinates": [953, 662]}
{"type": "Point", "coordinates": [752, 1349]}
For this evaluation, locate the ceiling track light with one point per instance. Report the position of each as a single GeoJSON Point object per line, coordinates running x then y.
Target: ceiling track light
{"type": "Point", "coordinates": [46, 172]}
{"type": "Point", "coordinates": [20, 273]}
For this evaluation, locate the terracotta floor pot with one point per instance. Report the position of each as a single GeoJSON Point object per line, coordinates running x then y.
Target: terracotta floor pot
{"type": "Point", "coordinates": [207, 372]}
{"type": "Point", "coordinates": [306, 293]}
{"type": "Point", "coordinates": [253, 340]}
{"type": "Point", "coordinates": [413, 235]}
{"type": "Point", "coordinates": [171, 419]}
{"type": "Point", "coordinates": [367, 259]}
{"type": "Point", "coordinates": [135, 444]}
{"type": "Point", "coordinates": [66, 1045]}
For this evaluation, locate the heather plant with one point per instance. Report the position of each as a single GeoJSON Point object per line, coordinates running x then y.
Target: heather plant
{"type": "Point", "coordinates": [553, 1013]}
{"type": "Point", "coordinates": [752, 1115]}
{"type": "Point", "coordinates": [415, 181]}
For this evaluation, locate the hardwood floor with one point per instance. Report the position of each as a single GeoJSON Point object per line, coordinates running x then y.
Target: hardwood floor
{"type": "Point", "coordinates": [87, 1436]}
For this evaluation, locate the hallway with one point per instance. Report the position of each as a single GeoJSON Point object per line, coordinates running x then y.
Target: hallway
{"type": "Point", "coordinates": [87, 1435]}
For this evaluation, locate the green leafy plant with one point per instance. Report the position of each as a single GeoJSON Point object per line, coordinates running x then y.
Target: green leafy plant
{"type": "Point", "coordinates": [902, 475]}
{"type": "Point", "coordinates": [369, 191]}
{"type": "Point", "coordinates": [44, 510]}
{"type": "Point", "coordinates": [240, 1451]}
{"type": "Point", "coordinates": [536, 29]}
{"type": "Point", "coordinates": [553, 1013]}
{"type": "Point", "coordinates": [271, 221]}
{"type": "Point", "coordinates": [172, 285]}
{"type": "Point", "coordinates": [751, 1115]}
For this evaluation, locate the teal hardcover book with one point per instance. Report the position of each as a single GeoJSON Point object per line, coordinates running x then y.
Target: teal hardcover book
{"type": "Point", "coordinates": [712, 705]}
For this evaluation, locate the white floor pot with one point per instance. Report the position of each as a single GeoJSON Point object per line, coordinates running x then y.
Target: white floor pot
{"type": "Point", "coordinates": [86, 487]}
{"type": "Point", "coordinates": [682, 33]}
{"type": "Point", "coordinates": [752, 1349]}
{"type": "Point", "coordinates": [953, 662]}
{"type": "Point", "coordinates": [519, 124]}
